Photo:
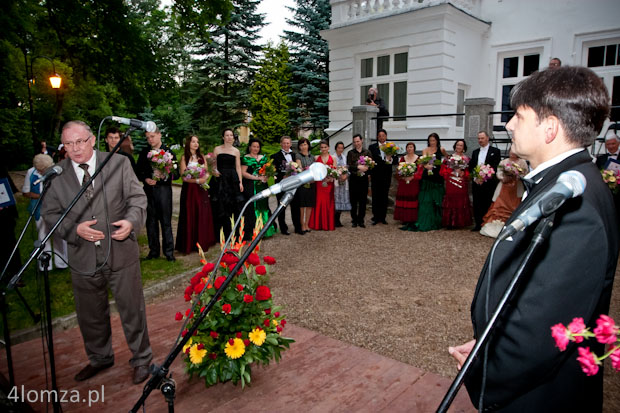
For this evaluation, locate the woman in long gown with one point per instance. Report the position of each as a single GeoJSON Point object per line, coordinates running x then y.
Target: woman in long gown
{"type": "Point", "coordinates": [227, 192]}
{"type": "Point", "coordinates": [322, 216]}
{"type": "Point", "coordinates": [341, 186]}
{"type": "Point", "coordinates": [431, 188]}
{"type": "Point", "coordinates": [406, 205]}
{"type": "Point", "coordinates": [456, 207]}
{"type": "Point", "coordinates": [305, 193]}
{"type": "Point", "coordinates": [507, 195]}
{"type": "Point", "coordinates": [253, 183]}
{"type": "Point", "coordinates": [195, 218]}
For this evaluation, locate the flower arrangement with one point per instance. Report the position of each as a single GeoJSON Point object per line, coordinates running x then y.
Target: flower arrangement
{"type": "Point", "coordinates": [511, 169]}
{"type": "Point", "coordinates": [428, 160]}
{"type": "Point", "coordinates": [611, 177]}
{"type": "Point", "coordinates": [343, 171]}
{"type": "Point", "coordinates": [457, 162]}
{"type": "Point", "coordinates": [406, 169]}
{"type": "Point", "coordinates": [293, 168]}
{"type": "Point", "coordinates": [162, 162]}
{"type": "Point", "coordinates": [333, 172]}
{"type": "Point", "coordinates": [242, 328]}
{"type": "Point", "coordinates": [483, 173]}
{"type": "Point", "coordinates": [267, 170]}
{"type": "Point", "coordinates": [605, 332]}
{"type": "Point", "coordinates": [389, 148]}
{"type": "Point", "coordinates": [197, 172]}
{"type": "Point", "coordinates": [366, 161]}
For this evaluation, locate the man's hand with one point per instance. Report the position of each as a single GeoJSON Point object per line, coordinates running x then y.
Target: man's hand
{"type": "Point", "coordinates": [461, 352]}
{"type": "Point", "coordinates": [85, 231]}
{"type": "Point", "coordinates": [362, 168]}
{"type": "Point", "coordinates": [123, 231]}
{"type": "Point", "coordinates": [150, 181]}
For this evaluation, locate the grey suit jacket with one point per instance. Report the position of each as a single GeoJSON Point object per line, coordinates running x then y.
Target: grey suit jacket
{"type": "Point", "coordinates": [123, 198]}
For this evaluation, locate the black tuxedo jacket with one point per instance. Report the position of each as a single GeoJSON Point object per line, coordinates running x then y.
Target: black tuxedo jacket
{"type": "Point", "coordinates": [571, 276]}
{"type": "Point", "coordinates": [279, 162]}
{"type": "Point", "coordinates": [382, 172]}
{"type": "Point", "coordinates": [494, 156]}
{"type": "Point", "coordinates": [601, 160]}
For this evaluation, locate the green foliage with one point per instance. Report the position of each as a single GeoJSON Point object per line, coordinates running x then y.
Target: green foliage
{"type": "Point", "coordinates": [270, 95]}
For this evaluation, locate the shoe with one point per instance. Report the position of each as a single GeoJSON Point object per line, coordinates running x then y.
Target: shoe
{"type": "Point", "coordinates": [171, 258]}
{"type": "Point", "coordinates": [354, 224]}
{"type": "Point", "coordinates": [300, 232]}
{"type": "Point", "coordinates": [151, 257]}
{"type": "Point", "coordinates": [90, 370]}
{"type": "Point", "coordinates": [361, 225]}
{"type": "Point", "coordinates": [285, 233]}
{"type": "Point", "coordinates": [140, 373]}
{"type": "Point", "coordinates": [306, 231]}
{"type": "Point", "coordinates": [404, 227]}
{"type": "Point", "coordinates": [374, 222]}
{"type": "Point", "coordinates": [384, 222]}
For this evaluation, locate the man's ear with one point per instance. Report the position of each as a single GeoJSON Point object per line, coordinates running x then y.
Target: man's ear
{"type": "Point", "coordinates": [551, 126]}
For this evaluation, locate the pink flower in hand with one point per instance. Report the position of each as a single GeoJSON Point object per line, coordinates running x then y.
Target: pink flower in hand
{"type": "Point", "coordinates": [560, 335]}
{"type": "Point", "coordinates": [615, 358]}
{"type": "Point", "coordinates": [588, 361]}
{"type": "Point", "coordinates": [606, 331]}
{"type": "Point", "coordinates": [577, 326]}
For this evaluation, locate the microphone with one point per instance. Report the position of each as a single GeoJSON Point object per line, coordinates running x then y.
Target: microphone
{"type": "Point", "coordinates": [136, 123]}
{"type": "Point", "coordinates": [316, 172]}
{"type": "Point", "coordinates": [49, 174]}
{"type": "Point", "coordinates": [570, 184]}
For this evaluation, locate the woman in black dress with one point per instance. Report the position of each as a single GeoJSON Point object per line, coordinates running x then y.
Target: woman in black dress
{"type": "Point", "coordinates": [227, 193]}
{"type": "Point", "coordinates": [305, 193]}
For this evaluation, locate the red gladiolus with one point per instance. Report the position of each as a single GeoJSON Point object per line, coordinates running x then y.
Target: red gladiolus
{"type": "Point", "coordinates": [231, 342]}
{"type": "Point", "coordinates": [268, 311]}
{"type": "Point", "coordinates": [213, 334]}
{"type": "Point", "coordinates": [267, 323]}
{"type": "Point", "coordinates": [260, 270]}
{"type": "Point", "coordinates": [246, 342]}
{"type": "Point", "coordinates": [239, 335]}
{"type": "Point", "coordinates": [276, 314]}
{"type": "Point", "coordinates": [226, 308]}
{"type": "Point", "coordinates": [198, 288]}
{"type": "Point", "coordinates": [263, 293]}
{"type": "Point", "coordinates": [219, 281]}
{"type": "Point", "coordinates": [189, 290]}
{"type": "Point", "coordinates": [239, 287]}
{"type": "Point", "coordinates": [188, 297]}
{"type": "Point", "coordinates": [269, 260]}
{"type": "Point", "coordinates": [208, 268]}
{"type": "Point", "coordinates": [178, 316]}
{"type": "Point", "coordinates": [200, 346]}
{"type": "Point", "coordinates": [247, 298]}
{"type": "Point", "coordinates": [254, 259]}
{"type": "Point", "coordinates": [279, 329]}
{"type": "Point", "coordinates": [283, 322]}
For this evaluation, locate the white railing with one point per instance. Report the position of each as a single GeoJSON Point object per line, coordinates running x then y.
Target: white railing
{"type": "Point", "coordinates": [345, 12]}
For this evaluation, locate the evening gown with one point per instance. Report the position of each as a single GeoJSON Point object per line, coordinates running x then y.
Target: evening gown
{"type": "Point", "coordinates": [406, 205]}
{"type": "Point", "coordinates": [251, 188]}
{"type": "Point", "coordinates": [456, 207]}
{"type": "Point", "coordinates": [225, 195]}
{"type": "Point", "coordinates": [195, 218]}
{"type": "Point", "coordinates": [322, 216]}
{"type": "Point", "coordinates": [430, 198]}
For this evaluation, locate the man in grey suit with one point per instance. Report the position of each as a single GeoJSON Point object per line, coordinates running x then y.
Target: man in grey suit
{"type": "Point", "coordinates": [101, 233]}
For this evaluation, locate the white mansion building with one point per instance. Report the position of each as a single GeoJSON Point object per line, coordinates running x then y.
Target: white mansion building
{"type": "Point", "coordinates": [426, 57]}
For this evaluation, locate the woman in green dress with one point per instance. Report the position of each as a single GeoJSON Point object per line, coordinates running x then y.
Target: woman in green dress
{"type": "Point", "coordinates": [253, 183]}
{"type": "Point", "coordinates": [432, 189]}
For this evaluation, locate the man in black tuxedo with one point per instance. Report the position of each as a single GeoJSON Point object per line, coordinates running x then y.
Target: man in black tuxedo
{"type": "Point", "coordinates": [280, 160]}
{"type": "Point", "coordinates": [612, 144]}
{"type": "Point", "coordinates": [358, 182]}
{"type": "Point", "coordinates": [559, 113]}
{"type": "Point", "coordinates": [483, 193]}
{"type": "Point", "coordinates": [380, 179]}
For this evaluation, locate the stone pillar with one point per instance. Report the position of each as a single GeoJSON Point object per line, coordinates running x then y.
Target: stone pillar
{"type": "Point", "coordinates": [364, 124]}
{"type": "Point", "coordinates": [477, 118]}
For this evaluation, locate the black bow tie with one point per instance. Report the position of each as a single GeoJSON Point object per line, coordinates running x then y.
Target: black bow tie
{"type": "Point", "coordinates": [529, 184]}
{"type": "Point", "coordinates": [612, 154]}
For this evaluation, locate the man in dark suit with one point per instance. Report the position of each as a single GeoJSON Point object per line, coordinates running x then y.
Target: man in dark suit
{"type": "Point", "coordinates": [101, 234]}
{"type": "Point", "coordinates": [612, 144]}
{"type": "Point", "coordinates": [159, 196]}
{"type": "Point", "coordinates": [558, 115]}
{"type": "Point", "coordinates": [483, 193]}
{"type": "Point", "coordinates": [380, 179]}
{"type": "Point", "coordinates": [280, 160]}
{"type": "Point", "coordinates": [358, 181]}
{"type": "Point", "coordinates": [112, 138]}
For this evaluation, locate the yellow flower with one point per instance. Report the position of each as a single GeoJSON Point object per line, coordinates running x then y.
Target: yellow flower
{"type": "Point", "coordinates": [257, 336]}
{"type": "Point", "coordinates": [275, 323]}
{"type": "Point", "coordinates": [196, 355]}
{"type": "Point", "coordinates": [236, 350]}
{"type": "Point", "coordinates": [187, 345]}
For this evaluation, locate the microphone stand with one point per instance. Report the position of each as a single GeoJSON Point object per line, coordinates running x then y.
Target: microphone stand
{"type": "Point", "coordinates": [160, 379]}
{"type": "Point", "coordinates": [542, 231]}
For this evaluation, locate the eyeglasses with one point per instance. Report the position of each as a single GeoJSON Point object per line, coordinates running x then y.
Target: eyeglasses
{"type": "Point", "coordinates": [78, 143]}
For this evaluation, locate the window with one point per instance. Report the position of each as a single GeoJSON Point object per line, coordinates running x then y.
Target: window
{"type": "Point", "coordinates": [400, 100]}
{"type": "Point", "coordinates": [511, 67]}
{"type": "Point", "coordinates": [460, 105]}
{"type": "Point", "coordinates": [383, 65]}
{"type": "Point", "coordinates": [400, 62]}
{"type": "Point", "coordinates": [514, 68]}
{"type": "Point", "coordinates": [506, 89]}
{"type": "Point", "coordinates": [389, 76]}
{"type": "Point", "coordinates": [366, 68]}
{"type": "Point", "coordinates": [384, 93]}
{"type": "Point", "coordinates": [607, 55]}
{"type": "Point", "coordinates": [530, 64]}
{"type": "Point", "coordinates": [615, 100]}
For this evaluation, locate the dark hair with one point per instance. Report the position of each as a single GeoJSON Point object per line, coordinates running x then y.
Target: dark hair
{"type": "Point", "coordinates": [357, 135]}
{"type": "Point", "coordinates": [227, 129]}
{"type": "Point", "coordinates": [410, 143]}
{"type": "Point", "coordinates": [573, 94]}
{"type": "Point", "coordinates": [111, 130]}
{"type": "Point", "coordinates": [251, 141]}
{"type": "Point", "coordinates": [381, 130]}
{"type": "Point", "coordinates": [464, 145]}
{"type": "Point", "coordinates": [187, 152]}
{"type": "Point", "coordinates": [339, 143]}
{"type": "Point", "coordinates": [324, 142]}
{"type": "Point", "coordinates": [433, 135]}
{"type": "Point", "coordinates": [302, 140]}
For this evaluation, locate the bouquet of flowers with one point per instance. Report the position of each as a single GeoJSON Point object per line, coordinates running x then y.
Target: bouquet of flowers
{"type": "Point", "coordinates": [512, 169]}
{"type": "Point", "coordinates": [605, 332]}
{"type": "Point", "coordinates": [197, 172]}
{"type": "Point", "coordinates": [428, 160]}
{"type": "Point", "coordinates": [367, 161]}
{"type": "Point", "coordinates": [267, 170]}
{"type": "Point", "coordinates": [293, 168]}
{"type": "Point", "coordinates": [483, 173]}
{"type": "Point", "coordinates": [405, 169]}
{"type": "Point", "coordinates": [389, 148]}
{"type": "Point", "coordinates": [162, 163]}
{"type": "Point", "coordinates": [457, 162]}
{"type": "Point", "coordinates": [243, 326]}
{"type": "Point", "coordinates": [333, 172]}
{"type": "Point", "coordinates": [611, 178]}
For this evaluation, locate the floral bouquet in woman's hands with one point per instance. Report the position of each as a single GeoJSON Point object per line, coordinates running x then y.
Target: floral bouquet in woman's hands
{"type": "Point", "coordinates": [366, 161]}
{"type": "Point", "coordinates": [162, 163]}
{"type": "Point", "coordinates": [406, 170]}
{"type": "Point", "coordinates": [267, 170]}
{"type": "Point", "coordinates": [511, 169]}
{"type": "Point", "coordinates": [457, 162]}
{"type": "Point", "coordinates": [343, 171]}
{"type": "Point", "coordinates": [611, 178]}
{"type": "Point", "coordinates": [293, 168]}
{"type": "Point", "coordinates": [333, 172]}
{"type": "Point", "coordinates": [483, 173]}
{"type": "Point", "coordinates": [389, 148]}
{"type": "Point", "coordinates": [197, 172]}
{"type": "Point", "coordinates": [428, 160]}
{"type": "Point", "coordinates": [606, 332]}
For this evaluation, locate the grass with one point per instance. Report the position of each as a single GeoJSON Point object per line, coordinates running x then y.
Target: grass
{"type": "Point", "coordinates": [60, 280]}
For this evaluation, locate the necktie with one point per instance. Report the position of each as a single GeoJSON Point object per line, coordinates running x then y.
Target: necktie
{"type": "Point", "coordinates": [89, 191]}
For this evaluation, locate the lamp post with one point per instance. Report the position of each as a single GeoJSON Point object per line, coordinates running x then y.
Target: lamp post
{"type": "Point", "coordinates": [55, 83]}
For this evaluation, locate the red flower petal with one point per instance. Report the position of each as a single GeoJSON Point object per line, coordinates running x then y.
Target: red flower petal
{"type": "Point", "coordinates": [178, 316]}
{"type": "Point", "coordinates": [260, 270]}
{"type": "Point", "coordinates": [239, 335]}
{"type": "Point", "coordinates": [269, 260]}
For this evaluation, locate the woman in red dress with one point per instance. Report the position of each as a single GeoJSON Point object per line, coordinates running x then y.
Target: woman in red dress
{"type": "Point", "coordinates": [322, 216]}
{"type": "Point", "coordinates": [456, 207]}
{"type": "Point", "coordinates": [406, 205]}
{"type": "Point", "coordinates": [195, 218]}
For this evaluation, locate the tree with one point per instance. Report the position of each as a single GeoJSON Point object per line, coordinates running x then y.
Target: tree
{"type": "Point", "coordinates": [309, 63]}
{"type": "Point", "coordinates": [270, 95]}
